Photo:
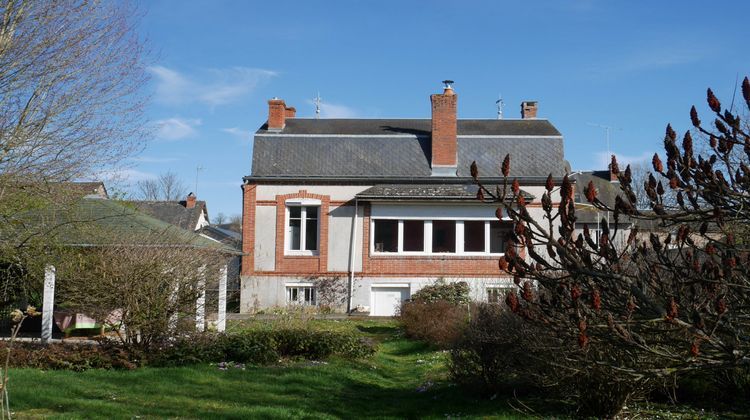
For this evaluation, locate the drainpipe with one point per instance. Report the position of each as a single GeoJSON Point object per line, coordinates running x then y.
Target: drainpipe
{"type": "Point", "coordinates": [352, 250]}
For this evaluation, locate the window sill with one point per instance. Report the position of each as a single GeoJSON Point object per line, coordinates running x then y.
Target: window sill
{"type": "Point", "coordinates": [442, 256]}
{"type": "Point", "coordinates": [296, 254]}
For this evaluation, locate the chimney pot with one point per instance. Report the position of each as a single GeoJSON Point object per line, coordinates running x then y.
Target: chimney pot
{"type": "Point", "coordinates": [190, 201]}
{"type": "Point", "coordinates": [529, 109]}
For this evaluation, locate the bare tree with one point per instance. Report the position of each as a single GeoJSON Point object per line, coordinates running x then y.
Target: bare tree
{"type": "Point", "coordinates": [71, 73]}
{"type": "Point", "coordinates": [167, 187]}
{"type": "Point", "coordinates": [220, 218]}
{"type": "Point", "coordinates": [645, 308]}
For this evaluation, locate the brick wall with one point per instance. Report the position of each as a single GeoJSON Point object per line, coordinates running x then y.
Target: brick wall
{"type": "Point", "coordinates": [248, 228]}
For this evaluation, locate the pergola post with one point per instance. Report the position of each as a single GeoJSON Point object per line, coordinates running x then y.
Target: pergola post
{"type": "Point", "coordinates": [174, 300]}
{"type": "Point", "coordinates": [200, 302]}
{"type": "Point", "coordinates": [221, 321]}
{"type": "Point", "coordinates": [48, 303]}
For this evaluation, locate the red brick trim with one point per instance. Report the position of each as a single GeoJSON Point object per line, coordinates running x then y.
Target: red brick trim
{"type": "Point", "coordinates": [295, 263]}
{"type": "Point", "coordinates": [248, 228]}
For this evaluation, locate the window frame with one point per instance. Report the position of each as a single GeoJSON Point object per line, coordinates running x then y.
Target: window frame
{"type": "Point", "coordinates": [427, 233]}
{"type": "Point", "coordinates": [303, 205]}
{"type": "Point", "coordinates": [301, 287]}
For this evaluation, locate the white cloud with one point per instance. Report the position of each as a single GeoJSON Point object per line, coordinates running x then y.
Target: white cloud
{"type": "Point", "coordinates": [153, 159]}
{"type": "Point", "coordinates": [602, 159]}
{"type": "Point", "coordinates": [211, 87]}
{"type": "Point", "coordinates": [176, 128]}
{"type": "Point", "coordinates": [651, 58]}
{"type": "Point", "coordinates": [329, 110]}
{"type": "Point", "coordinates": [239, 133]}
{"type": "Point", "coordinates": [124, 175]}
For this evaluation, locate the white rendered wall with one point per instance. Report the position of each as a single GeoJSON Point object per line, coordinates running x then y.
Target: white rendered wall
{"type": "Point", "coordinates": [265, 238]}
{"type": "Point", "coordinates": [339, 238]}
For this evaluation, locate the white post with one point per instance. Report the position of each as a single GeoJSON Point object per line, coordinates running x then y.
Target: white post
{"type": "Point", "coordinates": [174, 303]}
{"type": "Point", "coordinates": [221, 321]}
{"type": "Point", "coordinates": [200, 302]}
{"type": "Point", "coordinates": [48, 303]}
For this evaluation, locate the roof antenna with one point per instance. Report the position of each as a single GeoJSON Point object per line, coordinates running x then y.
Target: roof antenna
{"type": "Point", "coordinates": [198, 169]}
{"type": "Point", "coordinates": [607, 129]}
{"type": "Point", "coordinates": [500, 105]}
{"type": "Point", "coordinates": [317, 106]}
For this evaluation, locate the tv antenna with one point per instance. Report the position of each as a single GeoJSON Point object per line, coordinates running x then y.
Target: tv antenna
{"type": "Point", "coordinates": [198, 169]}
{"type": "Point", "coordinates": [607, 129]}
{"type": "Point", "coordinates": [500, 105]}
{"type": "Point", "coordinates": [317, 101]}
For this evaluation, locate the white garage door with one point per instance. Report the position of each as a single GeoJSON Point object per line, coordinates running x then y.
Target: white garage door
{"type": "Point", "coordinates": [386, 300]}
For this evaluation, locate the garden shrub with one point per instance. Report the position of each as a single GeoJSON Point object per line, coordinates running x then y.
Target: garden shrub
{"type": "Point", "coordinates": [262, 346]}
{"type": "Point", "coordinates": [491, 350]}
{"type": "Point", "coordinates": [438, 322]}
{"type": "Point", "coordinates": [71, 356]}
{"type": "Point", "coordinates": [454, 293]}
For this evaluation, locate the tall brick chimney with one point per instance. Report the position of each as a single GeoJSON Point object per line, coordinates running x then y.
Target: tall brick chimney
{"type": "Point", "coordinates": [190, 201]}
{"type": "Point", "coordinates": [528, 109]}
{"type": "Point", "coordinates": [278, 112]}
{"type": "Point", "coordinates": [444, 131]}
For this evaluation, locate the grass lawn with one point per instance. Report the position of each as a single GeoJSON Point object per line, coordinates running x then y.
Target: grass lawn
{"type": "Point", "coordinates": [405, 379]}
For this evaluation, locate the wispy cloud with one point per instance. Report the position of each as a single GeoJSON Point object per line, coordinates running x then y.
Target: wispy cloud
{"type": "Point", "coordinates": [211, 87]}
{"type": "Point", "coordinates": [602, 159]}
{"type": "Point", "coordinates": [330, 110]}
{"type": "Point", "coordinates": [238, 133]}
{"type": "Point", "coordinates": [176, 128]}
{"type": "Point", "coordinates": [153, 159]}
{"type": "Point", "coordinates": [124, 175]}
{"type": "Point", "coordinates": [650, 58]}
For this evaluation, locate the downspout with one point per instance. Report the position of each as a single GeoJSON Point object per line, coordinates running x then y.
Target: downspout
{"type": "Point", "coordinates": [352, 250]}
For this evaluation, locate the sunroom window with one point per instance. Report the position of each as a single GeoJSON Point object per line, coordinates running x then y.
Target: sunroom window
{"type": "Point", "coordinates": [386, 235]}
{"type": "Point", "coordinates": [459, 237]}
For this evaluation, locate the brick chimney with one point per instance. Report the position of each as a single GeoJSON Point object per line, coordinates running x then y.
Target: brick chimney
{"type": "Point", "coordinates": [444, 131]}
{"type": "Point", "coordinates": [278, 112]}
{"type": "Point", "coordinates": [190, 201]}
{"type": "Point", "coordinates": [528, 109]}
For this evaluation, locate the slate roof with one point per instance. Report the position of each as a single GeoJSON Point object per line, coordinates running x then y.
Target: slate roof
{"type": "Point", "coordinates": [95, 222]}
{"type": "Point", "coordinates": [225, 236]}
{"type": "Point", "coordinates": [419, 127]}
{"type": "Point", "coordinates": [397, 149]}
{"type": "Point", "coordinates": [423, 192]}
{"type": "Point", "coordinates": [172, 212]}
{"type": "Point", "coordinates": [607, 191]}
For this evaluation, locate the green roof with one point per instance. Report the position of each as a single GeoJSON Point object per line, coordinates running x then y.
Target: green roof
{"type": "Point", "coordinates": [96, 222]}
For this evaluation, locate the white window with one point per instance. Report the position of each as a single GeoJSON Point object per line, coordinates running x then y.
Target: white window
{"type": "Point", "coordinates": [301, 295]}
{"type": "Point", "coordinates": [302, 229]}
{"type": "Point", "coordinates": [442, 236]}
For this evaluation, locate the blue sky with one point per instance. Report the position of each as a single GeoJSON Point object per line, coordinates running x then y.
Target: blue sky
{"type": "Point", "coordinates": [631, 65]}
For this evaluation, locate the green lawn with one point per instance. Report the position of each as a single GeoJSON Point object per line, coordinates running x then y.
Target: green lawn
{"type": "Point", "coordinates": [404, 379]}
{"type": "Point", "coordinates": [385, 386]}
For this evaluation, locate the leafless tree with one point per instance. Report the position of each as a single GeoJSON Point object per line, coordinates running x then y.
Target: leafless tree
{"type": "Point", "coordinates": [220, 218]}
{"type": "Point", "coordinates": [71, 73]}
{"type": "Point", "coordinates": [167, 187]}
{"type": "Point", "coordinates": [145, 290]}
{"type": "Point", "coordinates": [643, 309]}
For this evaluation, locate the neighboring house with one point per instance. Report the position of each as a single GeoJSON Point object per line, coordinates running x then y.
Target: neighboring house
{"type": "Point", "coordinates": [608, 188]}
{"type": "Point", "coordinates": [233, 239]}
{"type": "Point", "coordinates": [385, 205]}
{"type": "Point", "coordinates": [190, 214]}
